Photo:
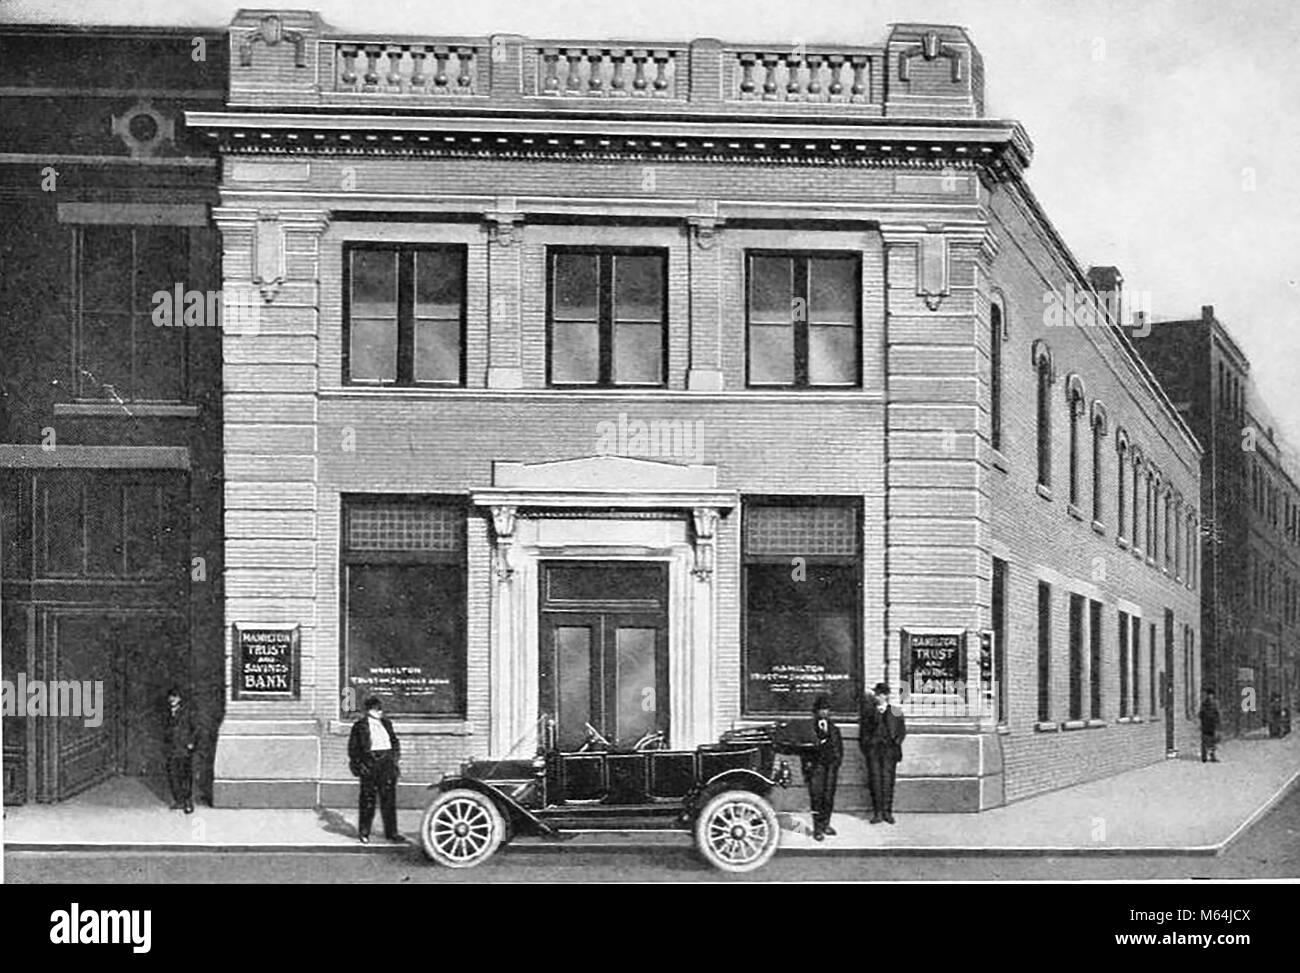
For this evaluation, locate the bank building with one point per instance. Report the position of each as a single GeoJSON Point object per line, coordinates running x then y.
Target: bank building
{"type": "Point", "coordinates": [665, 387]}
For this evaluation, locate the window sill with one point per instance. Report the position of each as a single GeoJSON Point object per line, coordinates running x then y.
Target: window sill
{"type": "Point", "coordinates": [998, 460]}
{"type": "Point", "coordinates": [1130, 720]}
{"type": "Point", "coordinates": [1096, 724]}
{"type": "Point", "coordinates": [1074, 511]}
{"type": "Point", "coordinates": [1137, 553]}
{"type": "Point", "coordinates": [1003, 729]}
{"type": "Point", "coordinates": [415, 728]}
{"type": "Point", "coordinates": [1074, 725]}
{"type": "Point", "coordinates": [128, 410]}
{"type": "Point", "coordinates": [1098, 527]}
{"type": "Point", "coordinates": [1047, 727]}
{"type": "Point", "coordinates": [1121, 542]}
{"type": "Point", "coordinates": [1044, 491]}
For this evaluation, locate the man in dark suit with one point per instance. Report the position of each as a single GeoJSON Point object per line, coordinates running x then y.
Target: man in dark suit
{"type": "Point", "coordinates": [179, 740]}
{"type": "Point", "coordinates": [1209, 717]}
{"type": "Point", "coordinates": [821, 767]}
{"type": "Point", "coordinates": [373, 755]}
{"type": "Point", "coordinates": [881, 729]}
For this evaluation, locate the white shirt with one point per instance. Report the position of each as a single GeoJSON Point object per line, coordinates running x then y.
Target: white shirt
{"type": "Point", "coordinates": [378, 735]}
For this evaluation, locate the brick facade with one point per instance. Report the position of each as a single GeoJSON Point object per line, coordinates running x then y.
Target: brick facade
{"type": "Point", "coordinates": [942, 226]}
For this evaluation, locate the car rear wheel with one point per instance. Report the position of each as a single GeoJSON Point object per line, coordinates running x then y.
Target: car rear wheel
{"type": "Point", "coordinates": [462, 828]}
{"type": "Point", "coordinates": [737, 831]}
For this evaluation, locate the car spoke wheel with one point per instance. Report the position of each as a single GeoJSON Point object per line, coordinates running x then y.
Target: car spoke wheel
{"type": "Point", "coordinates": [462, 828]}
{"type": "Point", "coordinates": [737, 831]}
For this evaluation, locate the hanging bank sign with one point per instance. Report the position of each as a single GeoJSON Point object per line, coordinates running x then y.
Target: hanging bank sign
{"type": "Point", "coordinates": [266, 661]}
{"type": "Point", "coordinates": [933, 661]}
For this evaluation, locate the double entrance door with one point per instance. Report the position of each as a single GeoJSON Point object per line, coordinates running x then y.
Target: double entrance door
{"type": "Point", "coordinates": [604, 650]}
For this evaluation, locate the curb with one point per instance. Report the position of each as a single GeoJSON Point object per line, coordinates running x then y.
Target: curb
{"type": "Point", "coordinates": [676, 839]}
{"type": "Point", "coordinates": [543, 847]}
{"type": "Point", "coordinates": [1261, 811]}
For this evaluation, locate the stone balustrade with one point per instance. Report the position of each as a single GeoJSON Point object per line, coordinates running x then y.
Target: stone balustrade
{"type": "Point", "coordinates": [422, 69]}
{"type": "Point", "coordinates": [293, 58]}
{"type": "Point", "coordinates": [826, 76]}
{"type": "Point", "coordinates": [608, 72]}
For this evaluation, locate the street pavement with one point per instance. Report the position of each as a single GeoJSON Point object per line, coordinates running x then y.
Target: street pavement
{"type": "Point", "coordinates": [1176, 808]}
{"type": "Point", "coordinates": [1269, 850]}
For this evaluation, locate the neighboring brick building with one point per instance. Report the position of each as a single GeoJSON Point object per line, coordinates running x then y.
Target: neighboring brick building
{"type": "Point", "coordinates": [655, 388]}
{"type": "Point", "coordinates": [110, 427]}
{"type": "Point", "coordinates": [1250, 606]}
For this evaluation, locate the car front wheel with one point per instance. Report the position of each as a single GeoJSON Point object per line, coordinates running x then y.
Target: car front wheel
{"type": "Point", "coordinates": [737, 831]}
{"type": "Point", "coordinates": [462, 828]}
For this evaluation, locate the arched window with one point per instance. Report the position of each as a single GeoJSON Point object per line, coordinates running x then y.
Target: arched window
{"type": "Point", "coordinates": [1149, 510]}
{"type": "Point", "coordinates": [1176, 532]}
{"type": "Point", "coordinates": [1121, 480]}
{"type": "Point", "coordinates": [1074, 401]}
{"type": "Point", "coordinates": [1098, 433]}
{"type": "Point", "coordinates": [1138, 506]}
{"type": "Point", "coordinates": [995, 374]}
{"type": "Point", "coordinates": [1043, 364]}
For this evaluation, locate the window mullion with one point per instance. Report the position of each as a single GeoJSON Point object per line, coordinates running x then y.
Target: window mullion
{"type": "Point", "coordinates": [605, 313]}
{"type": "Point", "coordinates": [800, 322]}
{"type": "Point", "coordinates": [405, 317]}
{"type": "Point", "coordinates": [133, 370]}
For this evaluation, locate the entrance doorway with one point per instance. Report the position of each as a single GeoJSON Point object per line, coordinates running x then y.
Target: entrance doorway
{"type": "Point", "coordinates": [604, 650]}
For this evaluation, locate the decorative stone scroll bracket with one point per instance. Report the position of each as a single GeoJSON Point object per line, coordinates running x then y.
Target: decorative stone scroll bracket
{"type": "Point", "coordinates": [269, 262]}
{"type": "Point", "coordinates": [267, 230]}
{"type": "Point", "coordinates": [705, 522]}
{"type": "Point", "coordinates": [705, 225]}
{"type": "Point", "coordinates": [704, 230]}
{"type": "Point", "coordinates": [934, 243]}
{"type": "Point", "coordinates": [503, 526]}
{"type": "Point", "coordinates": [932, 46]}
{"type": "Point", "coordinates": [271, 32]}
{"type": "Point", "coordinates": [505, 228]}
{"type": "Point", "coordinates": [932, 269]}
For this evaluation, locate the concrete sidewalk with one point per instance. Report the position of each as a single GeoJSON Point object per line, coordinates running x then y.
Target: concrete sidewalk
{"type": "Point", "coordinates": [1174, 807]}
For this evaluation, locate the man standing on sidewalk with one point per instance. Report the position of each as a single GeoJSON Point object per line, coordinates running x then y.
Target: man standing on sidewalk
{"type": "Point", "coordinates": [881, 729]}
{"type": "Point", "coordinates": [1209, 715]}
{"type": "Point", "coordinates": [373, 755]}
{"type": "Point", "coordinates": [821, 768]}
{"type": "Point", "coordinates": [179, 739]}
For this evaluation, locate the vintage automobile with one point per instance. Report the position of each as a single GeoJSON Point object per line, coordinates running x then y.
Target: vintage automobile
{"type": "Point", "coordinates": [717, 791]}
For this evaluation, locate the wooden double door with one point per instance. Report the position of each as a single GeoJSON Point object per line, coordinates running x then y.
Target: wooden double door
{"type": "Point", "coordinates": [604, 650]}
{"type": "Point", "coordinates": [122, 664]}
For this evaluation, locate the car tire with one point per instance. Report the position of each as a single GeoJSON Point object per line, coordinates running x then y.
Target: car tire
{"type": "Point", "coordinates": [462, 828]}
{"type": "Point", "coordinates": [737, 831]}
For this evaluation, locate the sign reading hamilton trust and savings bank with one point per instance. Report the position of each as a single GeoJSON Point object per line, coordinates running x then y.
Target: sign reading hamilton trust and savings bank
{"type": "Point", "coordinates": [266, 662]}
{"type": "Point", "coordinates": [934, 661]}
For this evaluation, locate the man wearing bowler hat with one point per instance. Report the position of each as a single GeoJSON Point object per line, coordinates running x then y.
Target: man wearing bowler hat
{"type": "Point", "coordinates": [373, 755]}
{"type": "Point", "coordinates": [821, 767]}
{"type": "Point", "coordinates": [881, 729]}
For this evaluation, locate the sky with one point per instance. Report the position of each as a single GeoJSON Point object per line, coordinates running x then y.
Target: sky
{"type": "Point", "coordinates": [1163, 129]}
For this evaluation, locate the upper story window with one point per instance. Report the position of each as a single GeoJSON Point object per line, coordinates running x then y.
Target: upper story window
{"type": "Point", "coordinates": [1121, 478]}
{"type": "Point", "coordinates": [995, 375]}
{"type": "Point", "coordinates": [804, 320]}
{"type": "Point", "coordinates": [122, 354]}
{"type": "Point", "coordinates": [608, 317]}
{"type": "Point", "coordinates": [1044, 369]}
{"type": "Point", "coordinates": [1074, 398]}
{"type": "Point", "coordinates": [404, 321]}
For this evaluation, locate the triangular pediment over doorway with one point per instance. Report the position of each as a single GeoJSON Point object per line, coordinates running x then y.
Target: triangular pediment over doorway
{"type": "Point", "coordinates": [604, 474]}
